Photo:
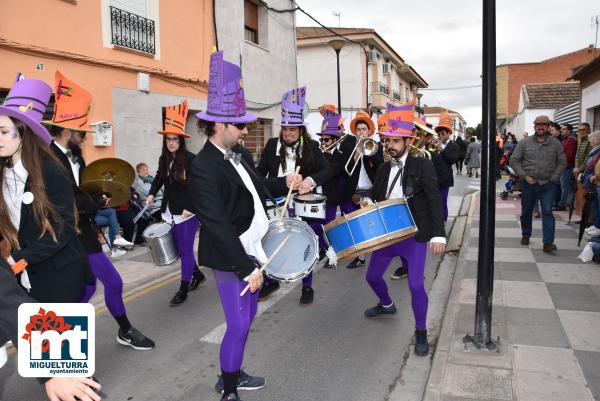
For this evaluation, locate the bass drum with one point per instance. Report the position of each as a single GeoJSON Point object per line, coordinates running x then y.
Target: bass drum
{"type": "Point", "coordinates": [161, 244]}
{"type": "Point", "coordinates": [298, 257]}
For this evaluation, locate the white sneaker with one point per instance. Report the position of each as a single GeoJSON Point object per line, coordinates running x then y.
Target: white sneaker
{"type": "Point", "coordinates": [117, 252]}
{"type": "Point", "coordinates": [122, 242]}
{"type": "Point", "coordinates": [587, 254]}
{"type": "Point", "coordinates": [592, 231]}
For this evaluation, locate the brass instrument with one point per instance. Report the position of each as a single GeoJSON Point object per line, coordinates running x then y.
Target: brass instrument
{"type": "Point", "coordinates": [329, 147]}
{"type": "Point", "coordinates": [367, 146]}
{"type": "Point", "coordinates": [110, 175]}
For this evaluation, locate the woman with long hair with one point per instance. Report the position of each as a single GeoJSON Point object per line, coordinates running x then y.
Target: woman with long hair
{"type": "Point", "coordinates": [176, 206]}
{"type": "Point", "coordinates": [37, 207]}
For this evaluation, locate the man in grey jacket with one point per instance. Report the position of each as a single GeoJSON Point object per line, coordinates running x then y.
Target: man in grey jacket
{"type": "Point", "coordinates": [539, 161]}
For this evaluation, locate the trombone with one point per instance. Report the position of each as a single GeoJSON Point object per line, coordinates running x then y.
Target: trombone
{"type": "Point", "coordinates": [367, 146]}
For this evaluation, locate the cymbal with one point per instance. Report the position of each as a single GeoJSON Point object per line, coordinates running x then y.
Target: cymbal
{"type": "Point", "coordinates": [109, 169]}
{"type": "Point", "coordinates": [119, 192]}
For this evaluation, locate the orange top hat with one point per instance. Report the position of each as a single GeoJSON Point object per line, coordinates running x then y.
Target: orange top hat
{"type": "Point", "coordinates": [362, 116]}
{"type": "Point", "coordinates": [332, 109]}
{"type": "Point", "coordinates": [175, 118]}
{"type": "Point", "coordinates": [445, 122]}
{"type": "Point", "coordinates": [382, 124]}
{"type": "Point", "coordinates": [72, 105]}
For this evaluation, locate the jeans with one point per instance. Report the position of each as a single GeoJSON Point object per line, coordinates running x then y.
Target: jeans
{"type": "Point", "coordinates": [108, 217]}
{"type": "Point", "coordinates": [530, 194]}
{"type": "Point", "coordinates": [566, 179]}
{"type": "Point", "coordinates": [596, 209]}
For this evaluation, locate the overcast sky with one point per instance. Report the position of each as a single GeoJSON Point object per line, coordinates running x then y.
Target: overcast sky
{"type": "Point", "coordinates": [442, 39]}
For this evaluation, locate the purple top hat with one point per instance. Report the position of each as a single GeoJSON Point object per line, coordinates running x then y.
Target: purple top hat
{"type": "Point", "coordinates": [292, 105]}
{"type": "Point", "coordinates": [226, 101]}
{"type": "Point", "coordinates": [403, 107]}
{"type": "Point", "coordinates": [27, 102]}
{"type": "Point", "coordinates": [330, 125]}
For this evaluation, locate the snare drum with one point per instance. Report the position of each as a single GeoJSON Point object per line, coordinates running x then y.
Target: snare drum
{"type": "Point", "coordinates": [370, 228]}
{"type": "Point", "coordinates": [274, 210]}
{"type": "Point", "coordinates": [298, 257]}
{"type": "Point", "coordinates": [310, 206]}
{"type": "Point", "coordinates": [161, 244]}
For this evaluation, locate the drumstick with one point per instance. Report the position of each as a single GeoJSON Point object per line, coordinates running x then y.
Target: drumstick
{"type": "Point", "coordinates": [284, 207]}
{"type": "Point", "coordinates": [268, 261]}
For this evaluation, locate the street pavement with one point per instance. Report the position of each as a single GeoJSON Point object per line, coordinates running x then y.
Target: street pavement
{"type": "Point", "coordinates": [325, 351]}
{"type": "Point", "coordinates": [546, 315]}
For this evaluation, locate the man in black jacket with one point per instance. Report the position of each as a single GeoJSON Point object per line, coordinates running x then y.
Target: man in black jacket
{"type": "Point", "coordinates": [414, 179]}
{"type": "Point", "coordinates": [359, 168]}
{"type": "Point", "coordinates": [282, 155]}
{"type": "Point", "coordinates": [447, 154]}
{"type": "Point", "coordinates": [230, 201]}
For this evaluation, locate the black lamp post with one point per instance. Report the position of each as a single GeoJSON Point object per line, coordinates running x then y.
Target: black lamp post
{"type": "Point", "coordinates": [337, 45]}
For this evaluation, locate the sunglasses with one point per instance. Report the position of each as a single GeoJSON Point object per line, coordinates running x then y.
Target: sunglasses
{"type": "Point", "coordinates": [239, 126]}
{"type": "Point", "coordinates": [326, 139]}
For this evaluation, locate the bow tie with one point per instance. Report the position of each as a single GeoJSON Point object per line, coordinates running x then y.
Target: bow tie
{"type": "Point", "coordinates": [74, 159]}
{"type": "Point", "coordinates": [397, 163]}
{"type": "Point", "coordinates": [231, 155]}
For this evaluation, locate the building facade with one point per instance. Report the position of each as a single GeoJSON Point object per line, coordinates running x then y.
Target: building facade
{"type": "Point", "coordinates": [432, 116]}
{"type": "Point", "coordinates": [372, 73]}
{"type": "Point", "coordinates": [589, 78]}
{"type": "Point", "coordinates": [134, 56]}
{"type": "Point", "coordinates": [264, 43]}
{"type": "Point", "coordinates": [511, 77]}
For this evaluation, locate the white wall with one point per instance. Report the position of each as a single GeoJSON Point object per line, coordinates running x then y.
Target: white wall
{"type": "Point", "coordinates": [590, 99]}
{"type": "Point", "coordinates": [317, 69]}
{"type": "Point", "coordinates": [268, 69]}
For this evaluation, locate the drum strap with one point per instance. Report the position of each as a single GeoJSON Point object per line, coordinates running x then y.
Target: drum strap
{"type": "Point", "coordinates": [398, 175]}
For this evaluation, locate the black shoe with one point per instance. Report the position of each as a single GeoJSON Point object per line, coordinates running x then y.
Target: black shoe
{"type": "Point", "coordinates": [400, 272]}
{"type": "Point", "coordinates": [559, 209]}
{"type": "Point", "coordinates": [549, 247]}
{"type": "Point", "coordinates": [596, 258]}
{"type": "Point", "coordinates": [268, 289]}
{"type": "Point", "coordinates": [421, 344]}
{"type": "Point", "coordinates": [245, 382]}
{"type": "Point", "coordinates": [179, 298]}
{"type": "Point", "coordinates": [135, 339]}
{"type": "Point", "coordinates": [524, 240]}
{"type": "Point", "coordinates": [307, 296]}
{"type": "Point", "coordinates": [197, 279]}
{"type": "Point", "coordinates": [378, 311]}
{"type": "Point", "coordinates": [230, 397]}
{"type": "Point", "coordinates": [357, 262]}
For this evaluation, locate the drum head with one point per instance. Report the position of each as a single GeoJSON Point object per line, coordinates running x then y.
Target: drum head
{"type": "Point", "coordinates": [157, 230]}
{"type": "Point", "coordinates": [310, 198]}
{"type": "Point", "coordinates": [298, 256]}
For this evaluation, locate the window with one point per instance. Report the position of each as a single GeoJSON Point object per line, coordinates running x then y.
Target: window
{"type": "Point", "coordinates": [250, 21]}
{"type": "Point", "coordinates": [255, 140]}
{"type": "Point", "coordinates": [138, 7]}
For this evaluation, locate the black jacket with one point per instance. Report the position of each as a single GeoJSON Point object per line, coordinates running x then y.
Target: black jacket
{"type": "Point", "coordinates": [270, 162]}
{"type": "Point", "coordinates": [12, 296]}
{"type": "Point", "coordinates": [58, 270]}
{"type": "Point", "coordinates": [371, 164]}
{"type": "Point", "coordinates": [419, 184]}
{"type": "Point", "coordinates": [331, 189]}
{"type": "Point", "coordinates": [226, 208]}
{"type": "Point", "coordinates": [246, 155]}
{"type": "Point", "coordinates": [443, 162]}
{"type": "Point", "coordinates": [86, 205]}
{"type": "Point", "coordinates": [176, 195]}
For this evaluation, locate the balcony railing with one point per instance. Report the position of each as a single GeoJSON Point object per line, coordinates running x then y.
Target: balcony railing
{"type": "Point", "coordinates": [380, 87]}
{"type": "Point", "coordinates": [132, 31]}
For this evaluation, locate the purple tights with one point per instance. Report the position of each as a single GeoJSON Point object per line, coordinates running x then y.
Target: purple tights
{"type": "Point", "coordinates": [185, 234]}
{"type": "Point", "coordinates": [413, 255]}
{"type": "Point", "coordinates": [239, 313]}
{"type": "Point", "coordinates": [104, 270]}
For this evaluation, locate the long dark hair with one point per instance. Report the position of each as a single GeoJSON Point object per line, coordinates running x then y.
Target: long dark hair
{"type": "Point", "coordinates": [304, 151]}
{"type": "Point", "coordinates": [33, 153]}
{"type": "Point", "coordinates": [177, 173]}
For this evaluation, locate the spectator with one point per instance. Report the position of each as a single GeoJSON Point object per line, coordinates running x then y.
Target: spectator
{"type": "Point", "coordinates": [126, 214]}
{"type": "Point", "coordinates": [107, 216]}
{"type": "Point", "coordinates": [583, 148]}
{"type": "Point", "coordinates": [555, 131]}
{"type": "Point", "coordinates": [566, 180]}
{"type": "Point", "coordinates": [462, 151]}
{"type": "Point", "coordinates": [472, 157]}
{"type": "Point", "coordinates": [589, 181]}
{"type": "Point", "coordinates": [539, 161]}
{"type": "Point", "coordinates": [142, 184]}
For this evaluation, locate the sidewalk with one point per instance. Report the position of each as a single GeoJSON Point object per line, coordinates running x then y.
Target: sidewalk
{"type": "Point", "coordinates": [546, 313]}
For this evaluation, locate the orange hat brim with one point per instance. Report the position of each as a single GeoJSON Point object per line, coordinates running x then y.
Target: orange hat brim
{"type": "Point", "coordinates": [183, 134]}
{"type": "Point", "coordinates": [363, 118]}
{"type": "Point", "coordinates": [69, 127]}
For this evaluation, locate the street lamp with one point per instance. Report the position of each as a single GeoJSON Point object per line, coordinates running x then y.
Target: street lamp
{"type": "Point", "coordinates": [337, 45]}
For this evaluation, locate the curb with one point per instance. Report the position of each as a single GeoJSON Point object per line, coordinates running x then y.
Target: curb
{"type": "Point", "coordinates": [415, 372]}
{"type": "Point", "coordinates": [433, 388]}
